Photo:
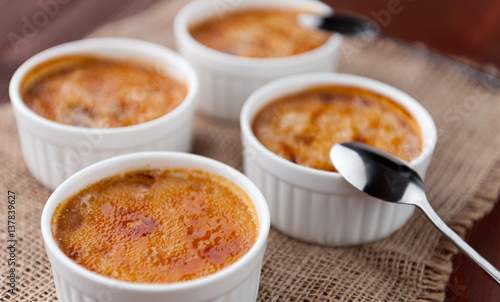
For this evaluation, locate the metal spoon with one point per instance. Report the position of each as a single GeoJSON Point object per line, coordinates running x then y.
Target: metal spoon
{"type": "Point", "coordinates": [388, 178]}
{"type": "Point", "coordinates": [342, 23]}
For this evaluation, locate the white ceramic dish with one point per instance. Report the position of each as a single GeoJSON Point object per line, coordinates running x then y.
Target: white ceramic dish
{"type": "Point", "coordinates": [227, 80]}
{"type": "Point", "coordinates": [54, 151]}
{"type": "Point", "coordinates": [318, 206]}
{"type": "Point", "coordinates": [238, 282]}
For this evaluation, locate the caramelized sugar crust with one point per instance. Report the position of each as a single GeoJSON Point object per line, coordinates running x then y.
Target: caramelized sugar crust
{"type": "Point", "coordinates": [96, 92]}
{"type": "Point", "coordinates": [258, 33]}
{"type": "Point", "coordinates": [302, 127]}
{"type": "Point", "coordinates": [157, 226]}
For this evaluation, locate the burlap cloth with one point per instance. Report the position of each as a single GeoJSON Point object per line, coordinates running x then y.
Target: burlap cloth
{"type": "Point", "coordinates": [413, 264]}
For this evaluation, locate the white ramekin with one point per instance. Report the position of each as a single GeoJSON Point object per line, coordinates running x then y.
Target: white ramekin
{"type": "Point", "coordinates": [227, 80]}
{"type": "Point", "coordinates": [238, 282]}
{"type": "Point", "coordinates": [318, 206]}
{"type": "Point", "coordinates": [54, 151]}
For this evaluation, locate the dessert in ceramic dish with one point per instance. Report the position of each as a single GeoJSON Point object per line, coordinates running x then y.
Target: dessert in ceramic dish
{"type": "Point", "coordinates": [319, 206]}
{"type": "Point", "coordinates": [258, 33]}
{"type": "Point", "coordinates": [302, 127]}
{"type": "Point", "coordinates": [156, 226]}
{"type": "Point", "coordinates": [53, 151]}
{"type": "Point", "coordinates": [95, 92]}
{"type": "Point", "coordinates": [239, 49]}
{"type": "Point", "coordinates": [160, 226]}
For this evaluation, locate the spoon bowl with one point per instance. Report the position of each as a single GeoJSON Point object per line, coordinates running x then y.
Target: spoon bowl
{"type": "Point", "coordinates": [388, 178]}
{"type": "Point", "coordinates": [343, 23]}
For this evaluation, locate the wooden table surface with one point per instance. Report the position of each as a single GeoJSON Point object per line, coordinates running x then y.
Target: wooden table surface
{"type": "Point", "coordinates": [466, 30]}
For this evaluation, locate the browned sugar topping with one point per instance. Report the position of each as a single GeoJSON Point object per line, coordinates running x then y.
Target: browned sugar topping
{"type": "Point", "coordinates": [302, 127]}
{"type": "Point", "coordinates": [157, 226]}
{"type": "Point", "coordinates": [258, 33]}
{"type": "Point", "coordinates": [98, 92]}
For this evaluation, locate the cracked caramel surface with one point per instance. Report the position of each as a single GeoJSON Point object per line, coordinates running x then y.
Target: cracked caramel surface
{"type": "Point", "coordinates": [302, 127]}
{"type": "Point", "coordinates": [157, 226]}
{"type": "Point", "coordinates": [258, 33]}
{"type": "Point", "coordinates": [96, 92]}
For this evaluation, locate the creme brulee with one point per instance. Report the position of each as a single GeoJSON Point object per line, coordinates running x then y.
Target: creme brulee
{"type": "Point", "coordinates": [97, 92]}
{"type": "Point", "coordinates": [258, 33]}
{"type": "Point", "coordinates": [302, 127]}
{"type": "Point", "coordinates": [157, 226]}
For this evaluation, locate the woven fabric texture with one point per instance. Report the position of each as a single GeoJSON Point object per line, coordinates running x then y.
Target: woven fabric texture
{"type": "Point", "coordinates": [414, 264]}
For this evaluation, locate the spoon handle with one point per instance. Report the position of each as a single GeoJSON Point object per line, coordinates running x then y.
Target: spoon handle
{"type": "Point", "coordinates": [467, 249]}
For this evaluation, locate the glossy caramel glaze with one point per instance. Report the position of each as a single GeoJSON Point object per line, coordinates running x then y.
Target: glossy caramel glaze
{"type": "Point", "coordinates": [302, 127]}
{"type": "Point", "coordinates": [157, 226]}
{"type": "Point", "coordinates": [258, 33]}
{"type": "Point", "coordinates": [95, 92]}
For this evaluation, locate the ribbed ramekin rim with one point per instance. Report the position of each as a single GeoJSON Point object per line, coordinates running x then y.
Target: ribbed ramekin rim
{"type": "Point", "coordinates": [183, 17]}
{"type": "Point", "coordinates": [430, 138]}
{"type": "Point", "coordinates": [139, 46]}
{"type": "Point", "coordinates": [53, 201]}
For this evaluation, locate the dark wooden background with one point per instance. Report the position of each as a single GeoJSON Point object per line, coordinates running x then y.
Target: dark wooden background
{"type": "Point", "coordinates": [465, 30]}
